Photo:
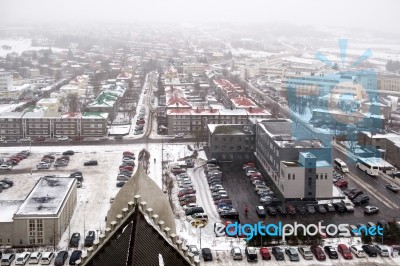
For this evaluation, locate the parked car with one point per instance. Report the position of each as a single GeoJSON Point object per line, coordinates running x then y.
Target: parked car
{"type": "Point", "coordinates": [383, 250]}
{"type": "Point", "coordinates": [281, 210]}
{"type": "Point", "coordinates": [251, 254]}
{"type": "Point", "coordinates": [290, 209]}
{"type": "Point", "coordinates": [206, 254]}
{"type": "Point", "coordinates": [75, 255]}
{"type": "Point", "coordinates": [358, 251]}
{"type": "Point", "coordinates": [278, 253]}
{"type": "Point", "coordinates": [236, 253]}
{"type": "Point", "coordinates": [370, 250]}
{"type": "Point", "coordinates": [292, 254]}
{"type": "Point", "coordinates": [345, 251]}
{"type": "Point", "coordinates": [75, 238]}
{"type": "Point", "coordinates": [35, 258]}
{"type": "Point", "coordinates": [90, 162]}
{"type": "Point", "coordinates": [63, 139]}
{"type": "Point", "coordinates": [329, 207]}
{"type": "Point", "coordinates": [331, 252]}
{"type": "Point", "coordinates": [341, 183]}
{"type": "Point", "coordinates": [361, 199]}
{"type": "Point", "coordinates": [271, 211]}
{"type": "Point", "coordinates": [6, 167]}
{"type": "Point", "coordinates": [43, 165]}
{"type": "Point", "coordinates": [90, 238]}
{"type": "Point", "coordinates": [300, 209]}
{"type": "Point", "coordinates": [22, 258]}
{"type": "Point", "coordinates": [339, 207]}
{"type": "Point", "coordinates": [61, 258]}
{"type": "Point", "coordinates": [320, 208]}
{"type": "Point", "coordinates": [7, 259]}
{"type": "Point", "coordinates": [260, 211]}
{"type": "Point", "coordinates": [318, 252]}
{"type": "Point", "coordinates": [231, 214]}
{"type": "Point", "coordinates": [306, 253]}
{"type": "Point", "coordinates": [371, 209]}
{"type": "Point", "coordinates": [47, 258]}
{"type": "Point", "coordinates": [355, 193]}
{"type": "Point", "coordinates": [265, 254]}
{"type": "Point", "coordinates": [193, 249]}
{"type": "Point", "coordinates": [310, 209]}
{"type": "Point", "coordinates": [348, 205]}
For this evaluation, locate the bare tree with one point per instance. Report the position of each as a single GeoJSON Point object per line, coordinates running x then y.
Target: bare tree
{"type": "Point", "coordinates": [73, 102]}
{"type": "Point", "coordinates": [144, 157]}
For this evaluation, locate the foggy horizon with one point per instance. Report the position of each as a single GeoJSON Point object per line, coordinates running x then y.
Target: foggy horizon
{"type": "Point", "coordinates": [368, 15]}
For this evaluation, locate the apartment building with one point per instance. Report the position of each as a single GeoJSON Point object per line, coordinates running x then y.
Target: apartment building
{"type": "Point", "coordinates": [389, 83]}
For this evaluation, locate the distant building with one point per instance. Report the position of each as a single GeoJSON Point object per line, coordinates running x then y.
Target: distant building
{"type": "Point", "coordinates": [389, 83]}
{"type": "Point", "coordinates": [42, 218]}
{"type": "Point", "coordinates": [52, 104]}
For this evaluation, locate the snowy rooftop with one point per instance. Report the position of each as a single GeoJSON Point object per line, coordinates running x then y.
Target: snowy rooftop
{"type": "Point", "coordinates": [381, 136]}
{"type": "Point", "coordinates": [11, 115]}
{"type": "Point", "coordinates": [229, 129]}
{"type": "Point", "coordinates": [47, 196]}
{"type": "Point", "coordinates": [8, 208]}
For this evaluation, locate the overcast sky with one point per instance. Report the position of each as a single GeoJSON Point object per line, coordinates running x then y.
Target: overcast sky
{"type": "Point", "coordinates": [375, 14]}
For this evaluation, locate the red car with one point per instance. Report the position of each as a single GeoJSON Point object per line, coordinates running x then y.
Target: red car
{"type": "Point", "coordinates": [186, 191]}
{"type": "Point", "coordinates": [341, 183]}
{"type": "Point", "coordinates": [248, 165]}
{"type": "Point", "coordinates": [140, 122]}
{"type": "Point", "coordinates": [345, 251]}
{"type": "Point", "coordinates": [265, 255]}
{"type": "Point", "coordinates": [318, 252]}
{"type": "Point", "coordinates": [40, 138]}
{"type": "Point", "coordinates": [258, 175]}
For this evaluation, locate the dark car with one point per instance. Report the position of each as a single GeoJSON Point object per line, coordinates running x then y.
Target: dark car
{"type": "Point", "coordinates": [120, 184]}
{"type": "Point", "coordinates": [320, 208]}
{"type": "Point", "coordinates": [61, 258]}
{"type": "Point", "coordinates": [300, 209]}
{"type": "Point", "coordinates": [354, 194]}
{"type": "Point", "coordinates": [89, 239]}
{"type": "Point", "coordinates": [260, 210]}
{"type": "Point", "coordinates": [318, 252]}
{"type": "Point", "coordinates": [76, 255]}
{"type": "Point", "coordinates": [361, 199]}
{"type": "Point", "coordinates": [290, 209]}
{"type": "Point", "coordinates": [69, 152]}
{"type": "Point", "coordinates": [75, 238]}
{"type": "Point", "coordinates": [339, 207]}
{"type": "Point", "coordinates": [90, 162]}
{"type": "Point", "coordinates": [271, 211]}
{"type": "Point", "coordinates": [331, 252]}
{"type": "Point", "coordinates": [194, 210]}
{"type": "Point", "coordinates": [278, 253]}
{"type": "Point", "coordinates": [370, 250]}
{"type": "Point", "coordinates": [281, 210]}
{"type": "Point", "coordinates": [329, 207]}
{"type": "Point", "coordinates": [251, 254]}
{"type": "Point", "coordinates": [310, 209]}
{"type": "Point", "coordinates": [231, 214]}
{"type": "Point", "coordinates": [206, 254]}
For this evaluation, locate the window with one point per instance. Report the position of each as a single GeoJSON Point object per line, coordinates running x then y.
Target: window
{"type": "Point", "coordinates": [326, 176]}
{"type": "Point", "coordinates": [309, 181]}
{"type": "Point", "coordinates": [294, 176]}
{"type": "Point", "coordinates": [316, 176]}
{"type": "Point", "coordinates": [288, 176]}
{"type": "Point", "coordinates": [32, 227]}
{"type": "Point", "coordinates": [309, 193]}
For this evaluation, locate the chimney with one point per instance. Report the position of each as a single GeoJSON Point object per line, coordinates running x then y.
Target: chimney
{"type": "Point", "coordinates": [251, 109]}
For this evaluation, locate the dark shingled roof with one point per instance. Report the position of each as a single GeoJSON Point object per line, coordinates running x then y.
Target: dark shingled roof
{"type": "Point", "coordinates": [136, 242]}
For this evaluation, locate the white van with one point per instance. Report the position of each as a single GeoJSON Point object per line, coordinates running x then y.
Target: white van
{"type": "Point", "coordinates": [47, 257]}
{"type": "Point", "coordinates": [35, 257]}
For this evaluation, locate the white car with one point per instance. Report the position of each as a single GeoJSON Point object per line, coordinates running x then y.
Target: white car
{"type": "Point", "coordinates": [383, 250]}
{"type": "Point", "coordinates": [25, 140]}
{"type": "Point", "coordinates": [47, 257]}
{"type": "Point", "coordinates": [35, 258]}
{"type": "Point", "coordinates": [5, 167]}
{"type": "Point", "coordinates": [22, 258]}
{"type": "Point", "coordinates": [265, 199]}
{"type": "Point", "coordinates": [63, 139]}
{"type": "Point", "coordinates": [128, 160]}
{"type": "Point", "coordinates": [358, 251]}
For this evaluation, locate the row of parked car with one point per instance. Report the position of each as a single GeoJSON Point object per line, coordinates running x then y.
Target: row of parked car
{"type": "Point", "coordinates": [48, 159]}
{"type": "Point", "coordinates": [258, 181]}
{"type": "Point", "coordinates": [314, 251]}
{"type": "Point", "coordinates": [126, 168]}
{"type": "Point", "coordinates": [140, 121]}
{"type": "Point", "coordinates": [44, 258]}
{"type": "Point", "coordinates": [13, 160]}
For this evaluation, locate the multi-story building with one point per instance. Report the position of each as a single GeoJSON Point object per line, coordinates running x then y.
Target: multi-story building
{"type": "Point", "coordinates": [6, 81]}
{"type": "Point", "coordinates": [298, 165]}
{"type": "Point", "coordinates": [42, 218]}
{"type": "Point", "coordinates": [231, 142]}
{"type": "Point", "coordinates": [194, 68]}
{"type": "Point", "coordinates": [11, 124]}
